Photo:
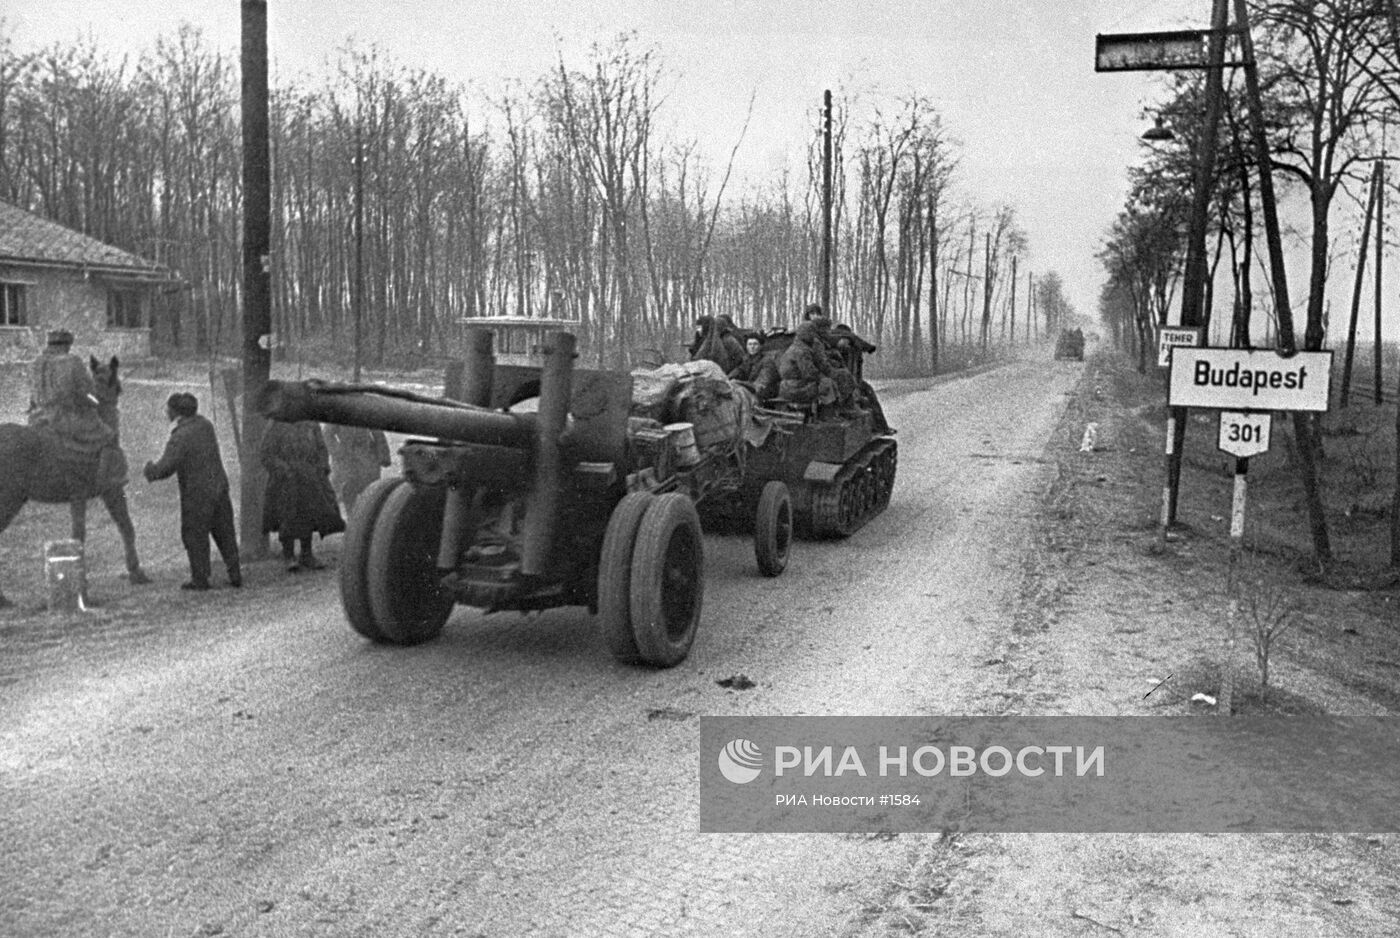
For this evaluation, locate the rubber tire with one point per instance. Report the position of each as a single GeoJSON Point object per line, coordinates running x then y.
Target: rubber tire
{"type": "Point", "coordinates": [354, 557]}
{"type": "Point", "coordinates": [615, 576]}
{"type": "Point", "coordinates": [772, 534]}
{"type": "Point", "coordinates": [668, 580]}
{"type": "Point", "coordinates": [405, 596]}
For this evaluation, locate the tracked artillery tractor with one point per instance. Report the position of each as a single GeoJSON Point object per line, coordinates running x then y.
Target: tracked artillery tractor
{"type": "Point", "coordinates": [537, 489]}
{"type": "Point", "coordinates": [839, 467]}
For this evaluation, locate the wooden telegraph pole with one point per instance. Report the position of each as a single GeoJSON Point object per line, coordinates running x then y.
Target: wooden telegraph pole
{"type": "Point", "coordinates": [826, 205]}
{"type": "Point", "coordinates": [1165, 52]}
{"type": "Point", "coordinates": [257, 293]}
{"type": "Point", "coordinates": [1356, 293]}
{"type": "Point", "coordinates": [1380, 248]}
{"type": "Point", "coordinates": [1193, 286]}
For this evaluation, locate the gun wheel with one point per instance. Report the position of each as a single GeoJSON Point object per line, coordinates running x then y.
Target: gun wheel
{"type": "Point", "coordinates": [354, 558]}
{"type": "Point", "coordinates": [772, 535]}
{"type": "Point", "coordinates": [668, 580]}
{"type": "Point", "coordinates": [615, 576]}
{"type": "Point", "coordinates": [405, 589]}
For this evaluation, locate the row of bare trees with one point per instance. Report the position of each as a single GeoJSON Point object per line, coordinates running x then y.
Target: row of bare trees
{"type": "Point", "coordinates": [396, 188]}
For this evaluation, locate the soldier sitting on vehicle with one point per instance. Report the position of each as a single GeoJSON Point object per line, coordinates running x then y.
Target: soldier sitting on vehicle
{"type": "Point", "coordinates": [758, 370]}
{"type": "Point", "coordinates": [828, 348]}
{"type": "Point", "coordinates": [715, 340]}
{"type": "Point", "coordinates": [803, 371]}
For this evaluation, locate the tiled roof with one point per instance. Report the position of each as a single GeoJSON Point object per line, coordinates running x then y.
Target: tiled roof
{"type": "Point", "coordinates": [26, 237]}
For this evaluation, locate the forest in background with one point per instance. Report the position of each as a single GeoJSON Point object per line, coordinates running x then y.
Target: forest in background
{"type": "Point", "coordinates": [560, 199]}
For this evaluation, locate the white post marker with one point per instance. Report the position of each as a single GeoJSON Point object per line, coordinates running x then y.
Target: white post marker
{"type": "Point", "coordinates": [1242, 435]}
{"type": "Point", "coordinates": [1168, 338]}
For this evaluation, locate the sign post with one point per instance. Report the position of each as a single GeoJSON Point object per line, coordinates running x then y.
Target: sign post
{"type": "Point", "coordinates": [1168, 338]}
{"type": "Point", "coordinates": [1245, 385]}
{"type": "Point", "coordinates": [1242, 435]}
{"type": "Point", "coordinates": [1183, 49]}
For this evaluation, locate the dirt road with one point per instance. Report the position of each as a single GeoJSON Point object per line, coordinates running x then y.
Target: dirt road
{"type": "Point", "coordinates": [240, 763]}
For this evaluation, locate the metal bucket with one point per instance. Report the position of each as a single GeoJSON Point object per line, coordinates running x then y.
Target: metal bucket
{"type": "Point", "coordinates": [682, 437]}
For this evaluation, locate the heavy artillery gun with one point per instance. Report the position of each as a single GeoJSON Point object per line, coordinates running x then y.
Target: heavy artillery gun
{"type": "Point", "coordinates": [537, 489]}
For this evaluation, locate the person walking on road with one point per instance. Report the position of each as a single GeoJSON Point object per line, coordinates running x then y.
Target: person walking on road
{"type": "Point", "coordinates": [206, 511]}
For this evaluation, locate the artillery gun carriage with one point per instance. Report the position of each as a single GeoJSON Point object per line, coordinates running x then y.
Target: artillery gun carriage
{"type": "Point", "coordinates": [539, 488]}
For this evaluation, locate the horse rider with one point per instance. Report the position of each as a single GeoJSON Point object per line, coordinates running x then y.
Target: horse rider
{"type": "Point", "coordinates": [63, 397]}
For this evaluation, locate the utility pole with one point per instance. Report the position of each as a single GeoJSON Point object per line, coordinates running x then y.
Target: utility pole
{"type": "Point", "coordinates": [359, 233]}
{"type": "Point", "coordinates": [1356, 292]}
{"type": "Point", "coordinates": [1013, 299]}
{"type": "Point", "coordinates": [826, 206]}
{"type": "Point", "coordinates": [1193, 285]}
{"type": "Point", "coordinates": [257, 292]}
{"type": "Point", "coordinates": [987, 292]}
{"type": "Point", "coordinates": [1380, 246]}
{"type": "Point", "coordinates": [933, 309]}
{"type": "Point", "coordinates": [1030, 307]}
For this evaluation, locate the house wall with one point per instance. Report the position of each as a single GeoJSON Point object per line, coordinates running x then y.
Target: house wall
{"type": "Point", "coordinates": [69, 299]}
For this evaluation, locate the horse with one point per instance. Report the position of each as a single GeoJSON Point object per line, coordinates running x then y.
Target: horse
{"type": "Point", "coordinates": [33, 474]}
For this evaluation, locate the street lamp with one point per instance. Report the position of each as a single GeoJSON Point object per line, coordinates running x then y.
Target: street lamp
{"type": "Point", "coordinates": [1158, 132]}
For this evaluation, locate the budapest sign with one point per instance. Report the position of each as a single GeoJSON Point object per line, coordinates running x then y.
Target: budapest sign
{"type": "Point", "coordinates": [1244, 379]}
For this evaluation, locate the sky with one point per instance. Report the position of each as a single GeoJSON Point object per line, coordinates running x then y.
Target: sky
{"type": "Point", "coordinates": [1014, 81]}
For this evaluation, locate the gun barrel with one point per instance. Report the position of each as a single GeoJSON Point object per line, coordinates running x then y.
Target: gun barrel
{"type": "Point", "coordinates": [355, 406]}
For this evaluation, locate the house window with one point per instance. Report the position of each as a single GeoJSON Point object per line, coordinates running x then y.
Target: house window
{"type": "Point", "coordinates": [14, 310]}
{"type": "Point", "coordinates": [124, 310]}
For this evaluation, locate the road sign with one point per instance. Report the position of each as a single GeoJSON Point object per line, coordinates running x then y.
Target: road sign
{"type": "Point", "coordinates": [1244, 435]}
{"type": "Point", "coordinates": [1139, 52]}
{"type": "Point", "coordinates": [1172, 336]}
{"type": "Point", "coordinates": [1245, 379]}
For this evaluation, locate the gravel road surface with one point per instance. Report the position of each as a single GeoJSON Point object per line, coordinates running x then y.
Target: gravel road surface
{"type": "Point", "coordinates": [240, 763]}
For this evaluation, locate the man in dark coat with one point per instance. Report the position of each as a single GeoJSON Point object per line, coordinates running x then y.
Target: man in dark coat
{"type": "Point", "coordinates": [716, 339]}
{"type": "Point", "coordinates": [804, 370]}
{"type": "Point", "coordinates": [732, 338]}
{"type": "Point", "coordinates": [826, 348]}
{"type": "Point", "coordinates": [192, 456]}
{"type": "Point", "coordinates": [299, 502]}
